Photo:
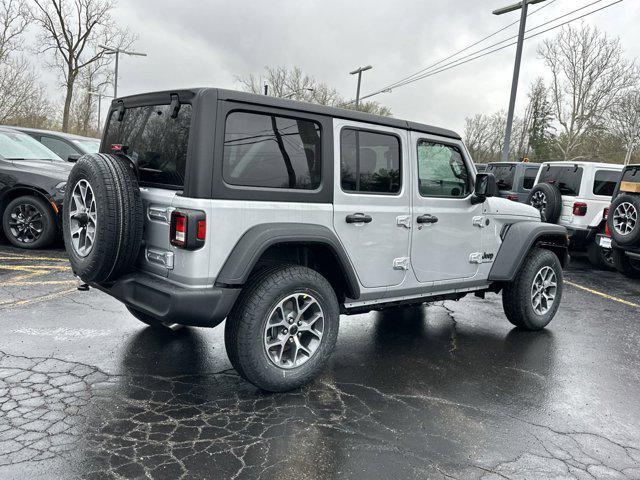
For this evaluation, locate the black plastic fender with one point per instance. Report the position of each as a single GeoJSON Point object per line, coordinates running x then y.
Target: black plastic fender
{"type": "Point", "coordinates": [258, 239]}
{"type": "Point", "coordinates": [518, 240]}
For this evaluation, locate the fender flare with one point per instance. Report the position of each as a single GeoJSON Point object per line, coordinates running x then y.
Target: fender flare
{"type": "Point", "coordinates": [518, 240]}
{"type": "Point", "coordinates": [255, 241]}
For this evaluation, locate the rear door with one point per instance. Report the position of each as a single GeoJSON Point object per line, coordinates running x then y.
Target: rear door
{"type": "Point", "coordinates": [372, 200]}
{"type": "Point", "coordinates": [446, 227]}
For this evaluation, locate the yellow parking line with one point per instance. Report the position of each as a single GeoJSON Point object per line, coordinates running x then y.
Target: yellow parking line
{"type": "Point", "coordinates": [44, 282]}
{"type": "Point", "coordinates": [24, 257]}
{"type": "Point", "coordinates": [28, 268]}
{"type": "Point", "coordinates": [603, 295]}
{"type": "Point", "coordinates": [19, 303]}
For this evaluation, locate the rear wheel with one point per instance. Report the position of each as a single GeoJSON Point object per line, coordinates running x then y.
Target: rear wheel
{"type": "Point", "coordinates": [28, 222]}
{"type": "Point", "coordinates": [532, 299]}
{"type": "Point", "coordinates": [626, 265]}
{"type": "Point", "coordinates": [624, 219]}
{"type": "Point", "coordinates": [283, 328]}
{"type": "Point", "coordinates": [599, 257]}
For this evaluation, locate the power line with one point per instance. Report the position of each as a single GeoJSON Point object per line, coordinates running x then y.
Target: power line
{"type": "Point", "coordinates": [460, 61]}
{"type": "Point", "coordinates": [466, 48]}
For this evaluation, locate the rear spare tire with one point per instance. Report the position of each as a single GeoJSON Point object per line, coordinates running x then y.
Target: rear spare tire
{"type": "Point", "coordinates": [547, 199]}
{"type": "Point", "coordinates": [103, 217]}
{"type": "Point", "coordinates": [624, 219]}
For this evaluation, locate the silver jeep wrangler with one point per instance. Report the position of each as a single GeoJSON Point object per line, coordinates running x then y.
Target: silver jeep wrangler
{"type": "Point", "coordinates": [279, 216]}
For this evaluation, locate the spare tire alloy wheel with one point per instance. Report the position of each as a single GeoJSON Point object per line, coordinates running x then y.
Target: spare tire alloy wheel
{"type": "Point", "coordinates": [25, 223]}
{"type": "Point", "coordinates": [83, 218]}
{"type": "Point", "coordinates": [293, 330]}
{"type": "Point", "coordinates": [625, 218]}
{"type": "Point", "coordinates": [539, 202]}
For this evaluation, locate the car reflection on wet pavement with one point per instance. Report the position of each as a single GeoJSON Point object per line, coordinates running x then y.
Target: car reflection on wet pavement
{"type": "Point", "coordinates": [445, 391]}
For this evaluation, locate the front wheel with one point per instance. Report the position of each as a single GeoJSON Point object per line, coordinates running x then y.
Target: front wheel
{"type": "Point", "coordinates": [28, 222]}
{"type": "Point", "coordinates": [283, 328]}
{"type": "Point", "coordinates": [532, 299]}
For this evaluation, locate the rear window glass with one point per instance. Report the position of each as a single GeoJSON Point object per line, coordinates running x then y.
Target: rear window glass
{"type": "Point", "coordinates": [504, 175]}
{"type": "Point", "coordinates": [631, 174]}
{"type": "Point", "coordinates": [566, 178]}
{"type": "Point", "coordinates": [529, 178]}
{"type": "Point", "coordinates": [157, 142]}
{"type": "Point", "coordinates": [271, 151]}
{"type": "Point", "coordinates": [605, 182]}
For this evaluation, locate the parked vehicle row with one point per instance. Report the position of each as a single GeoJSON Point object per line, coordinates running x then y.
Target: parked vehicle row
{"type": "Point", "coordinates": [32, 183]}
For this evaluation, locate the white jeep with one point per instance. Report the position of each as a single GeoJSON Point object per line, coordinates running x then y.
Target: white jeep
{"type": "Point", "coordinates": [575, 195]}
{"type": "Point", "coordinates": [280, 215]}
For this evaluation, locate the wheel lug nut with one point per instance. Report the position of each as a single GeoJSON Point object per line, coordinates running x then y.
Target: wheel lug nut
{"type": "Point", "coordinates": [299, 324]}
{"type": "Point", "coordinates": [285, 331]}
{"type": "Point", "coordinates": [290, 339]}
{"type": "Point", "coordinates": [299, 334]}
{"type": "Point", "coordinates": [291, 320]}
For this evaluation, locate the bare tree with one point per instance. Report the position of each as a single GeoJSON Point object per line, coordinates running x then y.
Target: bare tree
{"type": "Point", "coordinates": [14, 19]}
{"type": "Point", "coordinates": [624, 122]}
{"type": "Point", "coordinates": [84, 106]}
{"type": "Point", "coordinates": [72, 29]}
{"type": "Point", "coordinates": [297, 85]}
{"type": "Point", "coordinates": [588, 72]}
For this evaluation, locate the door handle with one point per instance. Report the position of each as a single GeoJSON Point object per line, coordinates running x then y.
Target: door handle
{"type": "Point", "coordinates": [427, 218]}
{"type": "Point", "coordinates": [358, 218]}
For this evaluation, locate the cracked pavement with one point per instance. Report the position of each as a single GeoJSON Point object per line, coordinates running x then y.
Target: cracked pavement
{"type": "Point", "coordinates": [445, 391]}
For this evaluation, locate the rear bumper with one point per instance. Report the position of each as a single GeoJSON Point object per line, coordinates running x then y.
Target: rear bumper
{"type": "Point", "coordinates": [199, 307]}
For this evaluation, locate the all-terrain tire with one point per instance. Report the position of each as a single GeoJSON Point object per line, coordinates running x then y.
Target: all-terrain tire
{"type": "Point", "coordinates": [517, 296]}
{"type": "Point", "coordinates": [600, 257]}
{"type": "Point", "coordinates": [246, 326]}
{"type": "Point", "coordinates": [547, 199]}
{"type": "Point", "coordinates": [629, 267]}
{"type": "Point", "coordinates": [624, 219]}
{"type": "Point", "coordinates": [41, 220]}
{"type": "Point", "coordinates": [119, 212]}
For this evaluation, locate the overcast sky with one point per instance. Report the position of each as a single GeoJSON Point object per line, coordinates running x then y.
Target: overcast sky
{"type": "Point", "coordinates": [209, 43]}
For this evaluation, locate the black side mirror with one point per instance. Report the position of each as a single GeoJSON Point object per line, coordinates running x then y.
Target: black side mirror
{"type": "Point", "coordinates": [485, 187]}
{"type": "Point", "coordinates": [73, 158]}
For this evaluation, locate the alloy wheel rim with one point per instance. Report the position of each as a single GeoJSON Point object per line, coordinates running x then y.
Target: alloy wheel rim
{"type": "Point", "coordinates": [625, 218]}
{"type": "Point", "coordinates": [293, 330]}
{"type": "Point", "coordinates": [539, 201]}
{"type": "Point", "coordinates": [26, 223]}
{"type": "Point", "coordinates": [83, 218]}
{"type": "Point", "coordinates": [543, 290]}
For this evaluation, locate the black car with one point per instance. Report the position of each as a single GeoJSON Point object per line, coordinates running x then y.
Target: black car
{"type": "Point", "coordinates": [65, 145]}
{"type": "Point", "coordinates": [32, 185]}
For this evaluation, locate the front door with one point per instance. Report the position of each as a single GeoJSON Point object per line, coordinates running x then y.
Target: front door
{"type": "Point", "coordinates": [372, 203]}
{"type": "Point", "coordinates": [446, 243]}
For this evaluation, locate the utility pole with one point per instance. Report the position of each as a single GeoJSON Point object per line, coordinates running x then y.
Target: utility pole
{"type": "Point", "coordinates": [266, 89]}
{"type": "Point", "coordinates": [359, 72]}
{"type": "Point", "coordinates": [523, 6]}
{"type": "Point", "coordinates": [117, 51]}
{"type": "Point", "coordinates": [100, 96]}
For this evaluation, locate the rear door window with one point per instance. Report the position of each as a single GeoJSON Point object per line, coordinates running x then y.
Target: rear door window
{"type": "Point", "coordinates": [605, 182]}
{"type": "Point", "coordinates": [155, 141]}
{"type": "Point", "coordinates": [566, 178]}
{"type": "Point", "coordinates": [59, 147]}
{"type": "Point", "coordinates": [504, 175]}
{"type": "Point", "coordinates": [529, 179]}
{"type": "Point", "coordinates": [631, 174]}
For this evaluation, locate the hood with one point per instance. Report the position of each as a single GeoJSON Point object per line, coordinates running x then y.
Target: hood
{"type": "Point", "coordinates": [502, 206]}
{"type": "Point", "coordinates": [48, 168]}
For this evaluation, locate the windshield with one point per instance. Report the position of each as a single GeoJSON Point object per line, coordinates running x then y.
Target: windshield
{"type": "Point", "coordinates": [504, 175]}
{"type": "Point", "coordinates": [89, 146]}
{"type": "Point", "coordinates": [20, 146]}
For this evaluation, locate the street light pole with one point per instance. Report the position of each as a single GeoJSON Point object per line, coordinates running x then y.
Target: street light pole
{"type": "Point", "coordinates": [117, 51]}
{"type": "Point", "coordinates": [359, 72]}
{"type": "Point", "coordinates": [100, 96]}
{"type": "Point", "coordinates": [523, 6]}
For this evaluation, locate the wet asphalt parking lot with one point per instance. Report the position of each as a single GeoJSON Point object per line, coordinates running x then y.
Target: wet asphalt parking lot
{"type": "Point", "coordinates": [445, 391]}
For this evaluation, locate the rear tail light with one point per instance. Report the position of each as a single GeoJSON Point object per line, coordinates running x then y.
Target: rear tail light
{"type": "Point", "coordinates": [579, 209]}
{"type": "Point", "coordinates": [188, 229]}
{"type": "Point", "coordinates": [605, 215]}
{"type": "Point", "coordinates": [178, 230]}
{"type": "Point", "coordinates": [607, 232]}
{"type": "Point", "coordinates": [512, 197]}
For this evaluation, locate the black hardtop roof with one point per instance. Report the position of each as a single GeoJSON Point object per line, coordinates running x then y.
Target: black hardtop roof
{"type": "Point", "coordinates": [164, 97]}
